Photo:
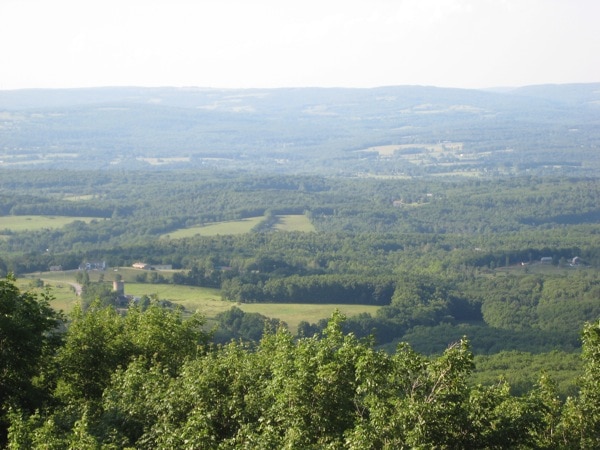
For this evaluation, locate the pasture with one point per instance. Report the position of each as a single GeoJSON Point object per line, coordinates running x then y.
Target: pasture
{"type": "Point", "coordinates": [205, 300]}
{"type": "Point", "coordinates": [31, 222]}
{"type": "Point", "coordinates": [294, 222]}
{"type": "Point", "coordinates": [64, 297]}
{"type": "Point", "coordinates": [208, 302]}
{"type": "Point", "coordinates": [291, 222]}
{"type": "Point", "coordinates": [218, 228]}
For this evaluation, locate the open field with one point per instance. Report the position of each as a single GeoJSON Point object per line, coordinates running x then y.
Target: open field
{"type": "Point", "coordinates": [21, 223]}
{"type": "Point", "coordinates": [218, 228]}
{"type": "Point", "coordinates": [208, 302]}
{"type": "Point", "coordinates": [163, 161]}
{"type": "Point", "coordinates": [387, 151]}
{"type": "Point", "coordinates": [63, 293]}
{"type": "Point", "coordinates": [205, 300]}
{"type": "Point", "coordinates": [294, 313]}
{"type": "Point", "coordinates": [79, 198]}
{"type": "Point", "coordinates": [295, 222]}
{"type": "Point", "coordinates": [291, 222]}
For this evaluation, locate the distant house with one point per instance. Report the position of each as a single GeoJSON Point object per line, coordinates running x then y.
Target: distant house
{"type": "Point", "coordinates": [93, 265]}
{"type": "Point", "coordinates": [546, 260]}
{"type": "Point", "coordinates": [141, 265]}
{"type": "Point", "coordinates": [55, 268]}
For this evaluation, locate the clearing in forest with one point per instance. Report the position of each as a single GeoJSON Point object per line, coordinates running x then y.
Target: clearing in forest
{"type": "Point", "coordinates": [290, 222]}
{"type": "Point", "coordinates": [294, 222]}
{"type": "Point", "coordinates": [205, 300]}
{"type": "Point", "coordinates": [218, 228]}
{"type": "Point", "coordinates": [32, 222]}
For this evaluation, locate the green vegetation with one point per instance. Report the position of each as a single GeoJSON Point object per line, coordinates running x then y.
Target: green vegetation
{"type": "Point", "coordinates": [411, 131]}
{"type": "Point", "coordinates": [193, 298]}
{"type": "Point", "coordinates": [424, 261]}
{"type": "Point", "coordinates": [31, 223]}
{"type": "Point", "coordinates": [288, 222]}
{"type": "Point", "coordinates": [215, 229]}
{"type": "Point", "coordinates": [294, 222]}
{"type": "Point", "coordinates": [473, 219]}
{"type": "Point", "coordinates": [150, 379]}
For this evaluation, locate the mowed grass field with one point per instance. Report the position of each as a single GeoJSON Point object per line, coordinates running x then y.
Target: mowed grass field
{"type": "Point", "coordinates": [296, 222]}
{"type": "Point", "coordinates": [292, 222]}
{"type": "Point", "coordinates": [218, 228]}
{"type": "Point", "coordinates": [63, 293]}
{"type": "Point", "coordinates": [22, 223]}
{"type": "Point", "coordinates": [205, 300]}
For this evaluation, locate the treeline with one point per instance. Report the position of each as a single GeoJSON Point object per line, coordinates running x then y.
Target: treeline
{"type": "Point", "coordinates": [439, 256]}
{"type": "Point", "coordinates": [337, 289]}
{"type": "Point", "coordinates": [145, 205]}
{"type": "Point", "coordinates": [149, 379]}
{"type": "Point", "coordinates": [526, 313]}
{"type": "Point", "coordinates": [500, 311]}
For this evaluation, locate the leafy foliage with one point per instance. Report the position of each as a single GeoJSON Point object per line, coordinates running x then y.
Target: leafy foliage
{"type": "Point", "coordinates": [333, 391]}
{"type": "Point", "coordinates": [29, 334]}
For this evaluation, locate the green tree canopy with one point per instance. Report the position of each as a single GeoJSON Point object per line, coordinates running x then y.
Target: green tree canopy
{"type": "Point", "coordinates": [29, 333]}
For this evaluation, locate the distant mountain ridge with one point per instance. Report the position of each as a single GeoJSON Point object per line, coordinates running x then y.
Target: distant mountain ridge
{"type": "Point", "coordinates": [305, 129]}
{"type": "Point", "coordinates": [581, 93]}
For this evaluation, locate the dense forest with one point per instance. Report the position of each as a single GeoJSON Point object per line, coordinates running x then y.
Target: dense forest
{"type": "Point", "coordinates": [442, 258]}
{"type": "Point", "coordinates": [469, 222]}
{"type": "Point", "coordinates": [149, 379]}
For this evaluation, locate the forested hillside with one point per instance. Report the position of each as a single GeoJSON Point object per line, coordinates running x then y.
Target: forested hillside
{"type": "Point", "coordinates": [464, 225]}
{"type": "Point", "coordinates": [440, 258]}
{"type": "Point", "coordinates": [402, 130]}
{"type": "Point", "coordinates": [148, 379]}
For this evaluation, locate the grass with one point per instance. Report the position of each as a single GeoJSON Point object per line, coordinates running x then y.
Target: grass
{"type": "Point", "coordinates": [294, 313]}
{"type": "Point", "coordinates": [296, 222]}
{"type": "Point", "coordinates": [208, 302]}
{"type": "Point", "coordinates": [64, 294]}
{"type": "Point", "coordinates": [79, 198]}
{"type": "Point", "coordinates": [291, 222]}
{"type": "Point", "coordinates": [218, 228]}
{"type": "Point", "coordinates": [22, 223]}
{"type": "Point", "coordinates": [205, 300]}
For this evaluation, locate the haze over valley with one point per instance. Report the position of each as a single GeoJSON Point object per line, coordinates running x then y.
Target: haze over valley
{"type": "Point", "coordinates": [387, 131]}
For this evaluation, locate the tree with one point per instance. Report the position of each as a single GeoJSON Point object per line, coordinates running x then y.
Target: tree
{"type": "Point", "coordinates": [100, 340]}
{"type": "Point", "coordinates": [29, 334]}
{"type": "Point", "coordinates": [237, 324]}
{"type": "Point", "coordinates": [581, 420]}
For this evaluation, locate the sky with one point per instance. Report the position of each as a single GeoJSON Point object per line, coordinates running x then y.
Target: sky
{"type": "Point", "coordinates": [298, 43]}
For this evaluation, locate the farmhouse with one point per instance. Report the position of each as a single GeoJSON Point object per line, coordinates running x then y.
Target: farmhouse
{"type": "Point", "coordinates": [93, 265]}
{"type": "Point", "coordinates": [546, 260]}
{"type": "Point", "coordinates": [141, 265]}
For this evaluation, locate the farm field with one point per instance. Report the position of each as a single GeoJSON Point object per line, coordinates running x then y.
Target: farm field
{"type": "Point", "coordinates": [294, 313]}
{"type": "Point", "coordinates": [205, 300]}
{"type": "Point", "coordinates": [291, 222]}
{"type": "Point", "coordinates": [294, 222]}
{"type": "Point", "coordinates": [208, 302]}
{"type": "Point", "coordinates": [64, 297]}
{"type": "Point", "coordinates": [30, 223]}
{"type": "Point", "coordinates": [219, 228]}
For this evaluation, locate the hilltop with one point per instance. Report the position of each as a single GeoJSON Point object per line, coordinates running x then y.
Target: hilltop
{"type": "Point", "coordinates": [391, 131]}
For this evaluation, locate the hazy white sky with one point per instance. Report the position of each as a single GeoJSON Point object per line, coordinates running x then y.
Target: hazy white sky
{"type": "Point", "coordinates": [275, 43]}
